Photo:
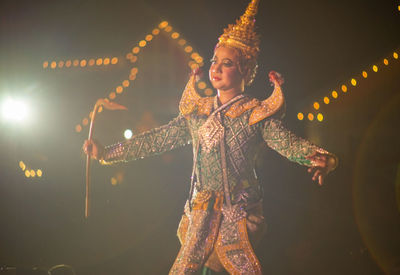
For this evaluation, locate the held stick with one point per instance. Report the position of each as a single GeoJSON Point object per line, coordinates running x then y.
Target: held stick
{"type": "Point", "coordinates": [107, 105]}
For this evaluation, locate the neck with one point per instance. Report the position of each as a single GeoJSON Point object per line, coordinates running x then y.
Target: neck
{"type": "Point", "coordinates": [225, 95]}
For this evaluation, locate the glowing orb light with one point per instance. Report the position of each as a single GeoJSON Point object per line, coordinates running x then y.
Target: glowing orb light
{"type": "Point", "coordinates": [128, 134]}
{"type": "Point", "coordinates": [14, 110]}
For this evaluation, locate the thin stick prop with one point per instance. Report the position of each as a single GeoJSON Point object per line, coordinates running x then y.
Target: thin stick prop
{"type": "Point", "coordinates": [109, 106]}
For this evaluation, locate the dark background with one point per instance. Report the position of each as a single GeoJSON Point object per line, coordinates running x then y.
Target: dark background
{"type": "Point", "coordinates": [350, 225]}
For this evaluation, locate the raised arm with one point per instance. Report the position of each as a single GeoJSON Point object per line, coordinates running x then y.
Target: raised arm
{"type": "Point", "coordinates": [153, 142]}
{"type": "Point", "coordinates": [299, 150]}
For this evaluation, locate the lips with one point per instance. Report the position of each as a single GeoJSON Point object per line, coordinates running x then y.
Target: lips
{"type": "Point", "coordinates": [216, 78]}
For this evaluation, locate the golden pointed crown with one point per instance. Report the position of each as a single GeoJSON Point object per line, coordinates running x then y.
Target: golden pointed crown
{"type": "Point", "coordinates": [242, 35]}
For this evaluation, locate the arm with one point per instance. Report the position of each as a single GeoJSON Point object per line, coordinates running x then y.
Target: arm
{"type": "Point", "coordinates": [298, 150]}
{"type": "Point", "coordinates": [156, 141]}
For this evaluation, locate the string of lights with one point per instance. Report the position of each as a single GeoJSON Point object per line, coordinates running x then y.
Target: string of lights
{"type": "Point", "coordinates": [82, 63]}
{"type": "Point", "coordinates": [29, 172]}
{"type": "Point", "coordinates": [317, 115]}
{"type": "Point", "coordinates": [196, 60]}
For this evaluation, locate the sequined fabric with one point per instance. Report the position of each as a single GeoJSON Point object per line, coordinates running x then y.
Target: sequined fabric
{"type": "Point", "coordinates": [210, 227]}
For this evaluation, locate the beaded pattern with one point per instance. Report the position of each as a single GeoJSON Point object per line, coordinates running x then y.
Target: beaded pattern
{"type": "Point", "coordinates": [205, 228]}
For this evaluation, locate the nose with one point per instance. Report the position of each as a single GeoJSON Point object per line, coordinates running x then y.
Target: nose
{"type": "Point", "coordinates": [216, 67]}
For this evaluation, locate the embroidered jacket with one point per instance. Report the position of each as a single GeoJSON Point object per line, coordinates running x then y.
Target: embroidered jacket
{"type": "Point", "coordinates": [224, 140]}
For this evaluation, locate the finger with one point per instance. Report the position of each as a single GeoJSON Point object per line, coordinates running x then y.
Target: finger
{"type": "Point", "coordinates": [316, 174]}
{"type": "Point", "coordinates": [320, 180]}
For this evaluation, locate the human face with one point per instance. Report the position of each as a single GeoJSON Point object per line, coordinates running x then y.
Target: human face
{"type": "Point", "coordinates": [224, 72]}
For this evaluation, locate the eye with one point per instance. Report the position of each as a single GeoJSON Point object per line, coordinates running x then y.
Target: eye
{"type": "Point", "coordinates": [227, 63]}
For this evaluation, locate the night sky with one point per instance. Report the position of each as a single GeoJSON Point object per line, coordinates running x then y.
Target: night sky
{"type": "Point", "coordinates": [350, 225]}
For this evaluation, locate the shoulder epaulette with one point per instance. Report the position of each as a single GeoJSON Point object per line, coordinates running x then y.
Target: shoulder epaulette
{"type": "Point", "coordinates": [269, 106]}
{"type": "Point", "coordinates": [191, 100]}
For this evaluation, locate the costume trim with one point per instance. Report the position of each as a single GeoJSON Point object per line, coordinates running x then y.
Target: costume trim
{"type": "Point", "coordinates": [191, 100]}
{"type": "Point", "coordinates": [269, 106]}
{"type": "Point", "coordinates": [241, 248]}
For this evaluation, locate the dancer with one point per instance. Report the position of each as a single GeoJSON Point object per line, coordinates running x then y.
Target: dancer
{"type": "Point", "coordinates": [223, 217]}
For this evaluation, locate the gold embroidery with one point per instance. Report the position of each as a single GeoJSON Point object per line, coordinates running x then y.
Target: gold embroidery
{"type": "Point", "coordinates": [243, 247]}
{"type": "Point", "coordinates": [211, 133]}
{"type": "Point", "coordinates": [240, 107]}
{"type": "Point", "coordinates": [191, 99]}
{"type": "Point", "coordinates": [269, 106]}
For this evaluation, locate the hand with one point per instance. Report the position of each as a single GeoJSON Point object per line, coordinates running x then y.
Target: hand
{"type": "Point", "coordinates": [93, 149]}
{"type": "Point", "coordinates": [322, 165]}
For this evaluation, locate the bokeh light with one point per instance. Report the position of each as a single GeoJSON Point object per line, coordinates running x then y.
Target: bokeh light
{"type": "Point", "coordinates": [364, 74]}
{"type": "Point", "coordinates": [353, 82]}
{"type": "Point", "coordinates": [344, 88]}
{"type": "Point", "coordinates": [320, 117]}
{"type": "Point", "coordinates": [14, 110]}
{"type": "Point", "coordinates": [334, 94]}
{"type": "Point", "coordinates": [375, 68]}
{"type": "Point", "coordinates": [316, 105]}
{"type": "Point", "coordinates": [300, 116]}
{"type": "Point", "coordinates": [326, 100]}
{"type": "Point", "coordinates": [128, 134]}
{"type": "Point", "coordinates": [310, 117]}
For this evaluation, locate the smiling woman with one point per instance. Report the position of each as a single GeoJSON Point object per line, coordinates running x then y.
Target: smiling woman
{"type": "Point", "coordinates": [223, 217]}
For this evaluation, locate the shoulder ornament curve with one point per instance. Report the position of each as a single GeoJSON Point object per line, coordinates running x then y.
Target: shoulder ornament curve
{"type": "Point", "coordinates": [242, 106]}
{"type": "Point", "coordinates": [269, 106]}
{"type": "Point", "coordinates": [191, 99]}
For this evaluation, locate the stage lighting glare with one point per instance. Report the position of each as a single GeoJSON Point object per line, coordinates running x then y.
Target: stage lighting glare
{"type": "Point", "coordinates": [149, 37]}
{"type": "Point", "coordinates": [316, 105]}
{"type": "Point", "coordinates": [326, 100]}
{"type": "Point", "coordinates": [334, 94]}
{"type": "Point", "coordinates": [133, 59]}
{"type": "Point", "coordinates": [83, 63]}
{"type": "Point", "coordinates": [114, 60]}
{"type": "Point", "coordinates": [310, 117]}
{"type": "Point", "coordinates": [22, 165]}
{"type": "Point", "coordinates": [85, 121]}
{"type": "Point", "coordinates": [163, 24]}
{"type": "Point", "coordinates": [45, 64]}
{"type": "Point", "coordinates": [114, 181]}
{"type": "Point", "coordinates": [364, 74]}
{"type": "Point", "coordinates": [375, 68]}
{"type": "Point", "coordinates": [27, 173]}
{"type": "Point", "coordinates": [128, 134]}
{"type": "Point", "coordinates": [53, 65]}
{"type": "Point", "coordinates": [142, 43]}
{"type": "Point", "coordinates": [202, 85]}
{"type": "Point", "coordinates": [168, 29]}
{"type": "Point", "coordinates": [106, 61]}
{"type": "Point", "coordinates": [344, 88]}
{"type": "Point", "coordinates": [155, 32]}
{"type": "Point", "coordinates": [300, 116]}
{"type": "Point", "coordinates": [182, 42]}
{"type": "Point", "coordinates": [78, 128]}
{"type": "Point", "coordinates": [175, 35]}
{"type": "Point", "coordinates": [136, 50]}
{"type": "Point", "coordinates": [188, 49]}
{"type": "Point", "coordinates": [395, 55]}
{"type": "Point", "coordinates": [134, 70]}
{"type": "Point", "coordinates": [208, 92]}
{"type": "Point", "coordinates": [194, 66]}
{"type": "Point", "coordinates": [353, 82]}
{"type": "Point", "coordinates": [39, 173]}
{"type": "Point", "coordinates": [125, 83]}
{"type": "Point", "coordinates": [15, 110]}
{"type": "Point", "coordinates": [385, 61]}
{"type": "Point", "coordinates": [119, 89]}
